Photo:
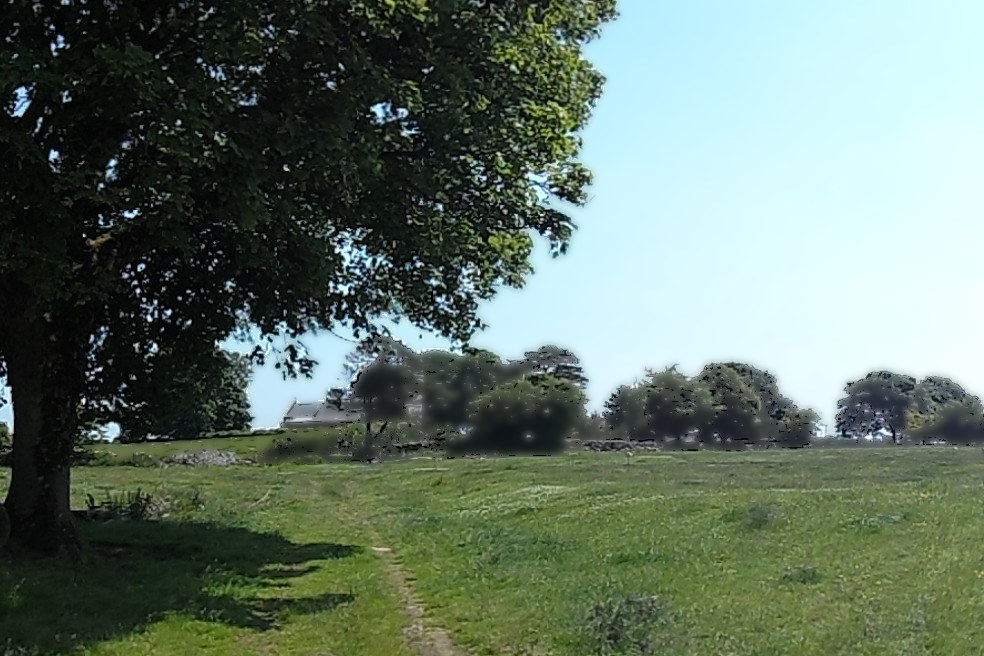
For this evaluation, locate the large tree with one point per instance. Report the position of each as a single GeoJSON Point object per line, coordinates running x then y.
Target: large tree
{"type": "Point", "coordinates": [879, 401]}
{"type": "Point", "coordinates": [624, 412]}
{"type": "Point", "coordinates": [173, 400]}
{"type": "Point", "coordinates": [555, 361]}
{"type": "Point", "coordinates": [178, 171]}
{"type": "Point", "coordinates": [450, 382]}
{"type": "Point", "coordinates": [737, 418]}
{"type": "Point", "coordinates": [774, 405]}
{"type": "Point", "coordinates": [956, 422]}
{"type": "Point", "coordinates": [673, 406]}
{"type": "Point", "coordinates": [528, 415]}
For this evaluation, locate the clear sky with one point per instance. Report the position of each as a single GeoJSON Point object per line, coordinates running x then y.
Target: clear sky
{"type": "Point", "coordinates": [797, 185]}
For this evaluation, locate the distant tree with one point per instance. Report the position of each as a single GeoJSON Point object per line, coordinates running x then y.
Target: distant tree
{"type": "Point", "coordinates": [525, 416]}
{"type": "Point", "coordinates": [796, 428]}
{"type": "Point", "coordinates": [931, 396]}
{"type": "Point", "coordinates": [737, 415]}
{"type": "Point", "coordinates": [555, 361]}
{"type": "Point", "coordinates": [673, 407]}
{"type": "Point", "coordinates": [956, 422]}
{"type": "Point", "coordinates": [383, 389]}
{"type": "Point", "coordinates": [376, 348]}
{"type": "Point", "coordinates": [176, 401]}
{"type": "Point", "coordinates": [624, 412]}
{"type": "Point", "coordinates": [450, 382]}
{"type": "Point", "coordinates": [773, 403]}
{"type": "Point", "coordinates": [879, 401]}
{"type": "Point", "coordinates": [933, 392]}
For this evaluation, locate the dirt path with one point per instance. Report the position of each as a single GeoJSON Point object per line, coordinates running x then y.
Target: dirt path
{"type": "Point", "coordinates": [425, 640]}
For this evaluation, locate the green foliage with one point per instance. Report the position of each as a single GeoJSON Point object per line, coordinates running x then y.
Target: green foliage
{"type": "Point", "coordinates": [110, 459]}
{"type": "Point", "coordinates": [727, 405]}
{"type": "Point", "coordinates": [755, 516]}
{"type": "Point", "coordinates": [875, 523]}
{"type": "Point", "coordinates": [773, 403]}
{"type": "Point", "coordinates": [802, 574]}
{"type": "Point", "coordinates": [934, 392]}
{"type": "Point", "coordinates": [674, 405]}
{"type": "Point", "coordinates": [629, 625]}
{"type": "Point", "coordinates": [879, 401]}
{"type": "Point", "coordinates": [175, 401]}
{"type": "Point", "coordinates": [557, 362]}
{"type": "Point", "coordinates": [736, 419]}
{"type": "Point", "coordinates": [383, 389]}
{"type": "Point", "coordinates": [525, 416]}
{"type": "Point", "coordinates": [451, 382]}
{"type": "Point", "coordinates": [625, 412]}
{"type": "Point", "coordinates": [956, 422]}
{"type": "Point", "coordinates": [176, 174]}
{"type": "Point", "coordinates": [796, 428]}
{"type": "Point", "coordinates": [139, 505]}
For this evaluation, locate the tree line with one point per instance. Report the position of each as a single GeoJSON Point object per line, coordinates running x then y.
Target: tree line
{"type": "Point", "coordinates": [170, 184]}
{"type": "Point", "coordinates": [728, 405]}
{"type": "Point", "coordinates": [472, 401]}
{"type": "Point", "coordinates": [910, 411]}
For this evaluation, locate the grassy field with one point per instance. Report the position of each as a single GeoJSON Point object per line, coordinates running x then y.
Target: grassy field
{"type": "Point", "coordinates": [836, 551]}
{"type": "Point", "coordinates": [246, 446]}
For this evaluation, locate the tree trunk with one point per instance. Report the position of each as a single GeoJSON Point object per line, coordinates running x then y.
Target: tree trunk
{"type": "Point", "coordinates": [45, 377]}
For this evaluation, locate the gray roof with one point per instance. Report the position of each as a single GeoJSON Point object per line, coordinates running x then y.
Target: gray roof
{"type": "Point", "coordinates": [327, 413]}
{"type": "Point", "coordinates": [321, 413]}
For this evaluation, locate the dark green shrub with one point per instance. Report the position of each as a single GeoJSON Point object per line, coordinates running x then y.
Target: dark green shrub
{"type": "Point", "coordinates": [525, 416]}
{"type": "Point", "coordinates": [140, 460]}
{"type": "Point", "coordinates": [143, 506]}
{"type": "Point", "coordinates": [756, 516]}
{"type": "Point", "coordinates": [128, 505]}
{"type": "Point", "coordinates": [874, 523]}
{"type": "Point", "coordinates": [630, 625]}
{"type": "Point", "coordinates": [803, 574]}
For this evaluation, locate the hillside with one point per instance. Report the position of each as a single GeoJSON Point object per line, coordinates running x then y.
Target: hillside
{"type": "Point", "coordinates": [872, 551]}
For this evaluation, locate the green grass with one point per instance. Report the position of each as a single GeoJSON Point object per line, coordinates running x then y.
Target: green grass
{"type": "Point", "coordinates": [246, 446]}
{"type": "Point", "coordinates": [835, 551]}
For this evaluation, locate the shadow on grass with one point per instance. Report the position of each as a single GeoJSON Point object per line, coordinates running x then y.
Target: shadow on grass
{"type": "Point", "coordinates": [137, 573]}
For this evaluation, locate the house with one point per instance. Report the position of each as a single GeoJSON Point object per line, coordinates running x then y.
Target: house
{"type": "Point", "coordinates": [328, 413]}
{"type": "Point", "coordinates": [322, 414]}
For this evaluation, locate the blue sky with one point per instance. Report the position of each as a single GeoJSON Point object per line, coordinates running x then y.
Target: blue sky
{"type": "Point", "coordinates": [792, 184]}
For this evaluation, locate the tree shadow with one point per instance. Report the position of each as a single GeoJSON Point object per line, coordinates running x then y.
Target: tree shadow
{"type": "Point", "coordinates": [136, 573]}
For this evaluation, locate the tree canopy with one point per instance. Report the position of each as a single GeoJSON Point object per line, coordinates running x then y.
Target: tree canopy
{"type": "Point", "coordinates": [728, 405]}
{"type": "Point", "coordinates": [879, 401]}
{"type": "Point", "coordinates": [176, 401]}
{"type": "Point", "coordinates": [176, 172]}
{"type": "Point", "coordinates": [555, 361]}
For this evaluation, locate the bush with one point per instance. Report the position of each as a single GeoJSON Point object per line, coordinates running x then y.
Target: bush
{"type": "Point", "coordinates": [631, 625]}
{"type": "Point", "coordinates": [524, 416]}
{"type": "Point", "coordinates": [804, 574]}
{"type": "Point", "coordinates": [143, 506]}
{"type": "Point", "coordinates": [86, 458]}
{"type": "Point", "coordinates": [756, 516]}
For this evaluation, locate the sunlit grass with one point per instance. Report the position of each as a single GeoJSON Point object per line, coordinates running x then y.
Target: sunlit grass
{"type": "Point", "coordinates": [838, 551]}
